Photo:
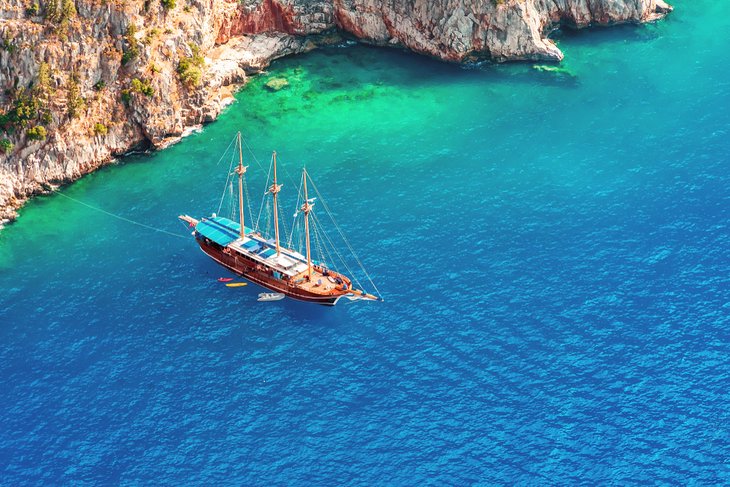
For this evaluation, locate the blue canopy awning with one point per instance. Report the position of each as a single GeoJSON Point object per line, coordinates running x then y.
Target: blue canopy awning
{"type": "Point", "coordinates": [267, 253]}
{"type": "Point", "coordinates": [250, 245]}
{"type": "Point", "coordinates": [220, 230]}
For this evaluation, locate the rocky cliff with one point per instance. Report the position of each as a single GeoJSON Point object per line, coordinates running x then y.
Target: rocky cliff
{"type": "Point", "coordinates": [82, 81]}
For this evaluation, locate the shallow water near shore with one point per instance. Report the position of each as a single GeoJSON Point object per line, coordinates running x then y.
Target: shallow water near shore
{"type": "Point", "coordinates": [553, 249]}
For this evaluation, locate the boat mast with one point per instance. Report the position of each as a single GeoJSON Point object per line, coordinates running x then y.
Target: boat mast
{"type": "Point", "coordinates": [240, 170]}
{"type": "Point", "coordinates": [274, 190]}
{"type": "Point", "coordinates": [306, 208]}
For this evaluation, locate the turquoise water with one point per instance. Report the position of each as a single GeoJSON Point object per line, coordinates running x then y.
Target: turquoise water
{"type": "Point", "coordinates": [552, 248]}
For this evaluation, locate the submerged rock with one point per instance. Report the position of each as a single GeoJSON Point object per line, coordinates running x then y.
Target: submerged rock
{"type": "Point", "coordinates": [276, 84]}
{"type": "Point", "coordinates": [558, 70]}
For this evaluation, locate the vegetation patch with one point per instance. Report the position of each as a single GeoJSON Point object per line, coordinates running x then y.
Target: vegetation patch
{"type": "Point", "coordinates": [8, 45]}
{"type": "Point", "coordinates": [100, 129]}
{"type": "Point", "coordinates": [142, 86]}
{"type": "Point", "coordinates": [190, 68]}
{"type": "Point", "coordinates": [75, 103]}
{"type": "Point", "coordinates": [61, 15]}
{"type": "Point", "coordinates": [24, 110]}
{"type": "Point", "coordinates": [29, 107]}
{"type": "Point", "coordinates": [6, 146]}
{"type": "Point", "coordinates": [131, 51]}
{"type": "Point", "coordinates": [33, 9]}
{"type": "Point", "coordinates": [37, 133]}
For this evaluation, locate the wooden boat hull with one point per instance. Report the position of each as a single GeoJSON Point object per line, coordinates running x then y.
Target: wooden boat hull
{"type": "Point", "coordinates": [247, 268]}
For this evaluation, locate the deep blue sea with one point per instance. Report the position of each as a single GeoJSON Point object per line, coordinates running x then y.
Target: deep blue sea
{"type": "Point", "coordinates": [553, 249]}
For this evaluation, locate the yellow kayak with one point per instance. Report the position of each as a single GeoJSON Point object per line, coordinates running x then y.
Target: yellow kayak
{"type": "Point", "coordinates": [237, 284]}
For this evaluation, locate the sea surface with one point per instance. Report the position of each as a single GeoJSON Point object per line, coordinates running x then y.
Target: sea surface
{"type": "Point", "coordinates": [553, 249]}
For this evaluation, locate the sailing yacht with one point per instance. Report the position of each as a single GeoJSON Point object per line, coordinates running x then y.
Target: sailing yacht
{"type": "Point", "coordinates": [265, 261]}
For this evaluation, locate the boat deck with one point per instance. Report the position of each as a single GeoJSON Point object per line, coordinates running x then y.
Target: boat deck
{"type": "Point", "coordinates": [288, 263]}
{"type": "Point", "coordinates": [319, 284]}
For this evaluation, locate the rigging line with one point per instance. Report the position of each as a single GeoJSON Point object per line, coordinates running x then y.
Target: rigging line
{"type": "Point", "coordinates": [248, 198]}
{"type": "Point", "coordinates": [322, 246]}
{"type": "Point", "coordinates": [322, 242]}
{"type": "Point", "coordinates": [263, 198]}
{"type": "Point", "coordinates": [226, 151]}
{"type": "Point", "coordinates": [294, 220]}
{"type": "Point", "coordinates": [296, 237]}
{"type": "Point", "coordinates": [258, 163]}
{"type": "Point", "coordinates": [282, 218]}
{"type": "Point", "coordinates": [252, 154]}
{"type": "Point", "coordinates": [317, 243]}
{"type": "Point", "coordinates": [290, 242]}
{"type": "Point", "coordinates": [231, 202]}
{"type": "Point", "coordinates": [339, 256]}
{"type": "Point", "coordinates": [354, 254]}
{"type": "Point", "coordinates": [120, 217]}
{"type": "Point", "coordinates": [228, 178]}
{"type": "Point", "coordinates": [350, 272]}
{"type": "Point", "coordinates": [267, 224]}
{"type": "Point", "coordinates": [349, 246]}
{"type": "Point", "coordinates": [327, 255]}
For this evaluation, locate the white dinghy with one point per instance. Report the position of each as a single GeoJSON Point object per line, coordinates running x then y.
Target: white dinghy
{"type": "Point", "coordinates": [271, 296]}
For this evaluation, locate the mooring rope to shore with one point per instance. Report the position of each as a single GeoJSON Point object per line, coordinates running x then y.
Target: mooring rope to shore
{"type": "Point", "coordinates": [119, 217]}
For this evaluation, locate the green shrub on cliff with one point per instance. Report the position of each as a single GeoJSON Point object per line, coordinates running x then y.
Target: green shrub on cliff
{"type": "Point", "coordinates": [189, 68]}
{"type": "Point", "coordinates": [151, 35]}
{"type": "Point", "coordinates": [128, 55]}
{"type": "Point", "coordinates": [50, 10]}
{"type": "Point", "coordinates": [68, 10]}
{"type": "Point", "coordinates": [5, 146]}
{"type": "Point", "coordinates": [197, 58]}
{"type": "Point", "coordinates": [37, 133]}
{"type": "Point", "coordinates": [137, 86]}
{"type": "Point", "coordinates": [60, 14]}
{"type": "Point", "coordinates": [43, 88]}
{"type": "Point", "coordinates": [190, 75]}
{"type": "Point", "coordinates": [100, 129]}
{"type": "Point", "coordinates": [142, 86]}
{"type": "Point", "coordinates": [132, 49]}
{"type": "Point", "coordinates": [8, 45]}
{"type": "Point", "coordinates": [168, 4]}
{"type": "Point", "coordinates": [74, 102]}
{"type": "Point", "coordinates": [24, 109]}
{"type": "Point", "coordinates": [33, 9]}
{"type": "Point", "coordinates": [29, 106]}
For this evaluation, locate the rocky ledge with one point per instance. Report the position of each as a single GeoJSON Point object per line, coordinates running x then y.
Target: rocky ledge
{"type": "Point", "coordinates": [83, 81]}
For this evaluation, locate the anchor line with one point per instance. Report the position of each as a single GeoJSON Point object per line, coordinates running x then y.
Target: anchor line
{"type": "Point", "coordinates": [119, 217]}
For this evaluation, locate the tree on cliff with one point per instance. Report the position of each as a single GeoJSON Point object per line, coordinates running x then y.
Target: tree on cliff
{"type": "Point", "coordinates": [51, 10]}
{"type": "Point", "coordinates": [68, 10]}
{"type": "Point", "coordinates": [43, 87]}
{"type": "Point", "coordinates": [74, 102]}
{"type": "Point", "coordinates": [190, 68]}
{"type": "Point", "coordinates": [132, 49]}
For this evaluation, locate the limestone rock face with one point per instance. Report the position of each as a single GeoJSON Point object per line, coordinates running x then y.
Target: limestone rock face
{"type": "Point", "coordinates": [461, 30]}
{"type": "Point", "coordinates": [122, 74]}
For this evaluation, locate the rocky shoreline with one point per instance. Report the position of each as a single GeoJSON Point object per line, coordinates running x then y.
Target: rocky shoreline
{"type": "Point", "coordinates": [103, 77]}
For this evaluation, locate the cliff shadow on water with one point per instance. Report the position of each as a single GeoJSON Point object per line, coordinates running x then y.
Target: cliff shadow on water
{"type": "Point", "coordinates": [614, 34]}
{"type": "Point", "coordinates": [358, 73]}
